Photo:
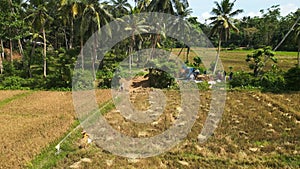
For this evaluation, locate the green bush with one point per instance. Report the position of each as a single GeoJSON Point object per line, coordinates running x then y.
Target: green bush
{"type": "Point", "coordinates": [105, 77]}
{"type": "Point", "coordinates": [272, 81]}
{"type": "Point", "coordinates": [57, 81]}
{"type": "Point", "coordinates": [242, 79]}
{"type": "Point", "coordinates": [14, 69]}
{"type": "Point", "coordinates": [269, 81]}
{"type": "Point", "coordinates": [83, 80]}
{"type": "Point", "coordinates": [161, 79]}
{"type": "Point", "coordinates": [14, 83]}
{"type": "Point", "coordinates": [292, 77]}
{"type": "Point", "coordinates": [232, 46]}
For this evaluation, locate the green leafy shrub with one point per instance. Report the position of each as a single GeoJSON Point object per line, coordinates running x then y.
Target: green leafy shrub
{"type": "Point", "coordinates": [292, 77]}
{"type": "Point", "coordinates": [105, 77]}
{"type": "Point", "coordinates": [14, 69]}
{"type": "Point", "coordinates": [272, 81]}
{"type": "Point", "coordinates": [197, 61]}
{"type": "Point", "coordinates": [160, 73]}
{"type": "Point", "coordinates": [14, 83]}
{"type": "Point", "coordinates": [161, 79]}
{"type": "Point", "coordinates": [57, 81]}
{"type": "Point", "coordinates": [269, 81]}
{"type": "Point", "coordinates": [83, 80]}
{"type": "Point", "coordinates": [232, 46]}
{"type": "Point", "coordinates": [242, 79]}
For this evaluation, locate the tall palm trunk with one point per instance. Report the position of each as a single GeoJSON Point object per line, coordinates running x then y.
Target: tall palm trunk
{"type": "Point", "coordinates": [130, 60]}
{"type": "Point", "coordinates": [72, 34]}
{"type": "Point", "coordinates": [29, 61]}
{"type": "Point", "coordinates": [218, 54]}
{"type": "Point", "coordinates": [10, 40]}
{"type": "Point", "coordinates": [66, 39]}
{"type": "Point", "coordinates": [11, 51]}
{"type": "Point", "coordinates": [45, 53]}
{"type": "Point", "coordinates": [131, 50]}
{"type": "Point", "coordinates": [187, 54]}
{"type": "Point", "coordinates": [2, 48]}
{"type": "Point", "coordinates": [154, 42]}
{"type": "Point", "coordinates": [1, 57]}
{"type": "Point", "coordinates": [94, 54]}
{"type": "Point", "coordinates": [298, 56]}
{"type": "Point", "coordinates": [21, 51]}
{"type": "Point", "coordinates": [81, 52]}
{"type": "Point", "coordinates": [1, 66]}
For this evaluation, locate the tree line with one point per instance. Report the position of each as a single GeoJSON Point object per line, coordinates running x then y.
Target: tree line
{"type": "Point", "coordinates": [40, 40]}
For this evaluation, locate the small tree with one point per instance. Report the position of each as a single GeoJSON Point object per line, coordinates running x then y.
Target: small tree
{"type": "Point", "coordinates": [257, 60]}
{"type": "Point", "coordinates": [197, 61]}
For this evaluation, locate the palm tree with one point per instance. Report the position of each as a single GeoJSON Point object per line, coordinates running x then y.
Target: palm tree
{"type": "Point", "coordinates": [121, 7]}
{"type": "Point", "coordinates": [222, 23]}
{"type": "Point", "coordinates": [168, 6]}
{"type": "Point", "coordinates": [70, 10]}
{"type": "Point", "coordinates": [137, 26]}
{"type": "Point", "coordinates": [39, 17]}
{"type": "Point", "coordinates": [174, 7]}
{"type": "Point", "coordinates": [142, 5]}
{"type": "Point", "coordinates": [180, 24]}
{"type": "Point", "coordinates": [94, 16]}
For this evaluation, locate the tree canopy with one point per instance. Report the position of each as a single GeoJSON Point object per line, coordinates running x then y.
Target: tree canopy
{"type": "Point", "coordinates": [44, 37]}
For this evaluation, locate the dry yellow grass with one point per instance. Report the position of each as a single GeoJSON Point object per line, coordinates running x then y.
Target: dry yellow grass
{"type": "Point", "coordinates": [258, 130]}
{"type": "Point", "coordinates": [30, 123]}
{"type": "Point", "coordinates": [255, 132]}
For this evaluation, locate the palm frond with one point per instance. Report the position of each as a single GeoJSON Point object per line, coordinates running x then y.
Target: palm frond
{"type": "Point", "coordinates": [219, 8]}
{"type": "Point", "coordinates": [236, 12]}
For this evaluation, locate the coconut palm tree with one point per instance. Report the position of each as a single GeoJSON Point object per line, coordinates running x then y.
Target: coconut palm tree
{"type": "Point", "coordinates": [136, 26]}
{"type": "Point", "coordinates": [121, 7]}
{"type": "Point", "coordinates": [174, 7]}
{"type": "Point", "coordinates": [70, 10]}
{"type": "Point", "coordinates": [39, 17]}
{"type": "Point", "coordinates": [222, 23]}
{"type": "Point", "coordinates": [93, 17]}
{"type": "Point", "coordinates": [181, 25]}
{"type": "Point", "coordinates": [142, 5]}
{"type": "Point", "coordinates": [168, 6]}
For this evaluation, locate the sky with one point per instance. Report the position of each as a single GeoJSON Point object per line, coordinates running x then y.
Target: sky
{"type": "Point", "coordinates": [202, 8]}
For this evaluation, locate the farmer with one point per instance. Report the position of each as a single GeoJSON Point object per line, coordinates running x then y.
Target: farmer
{"type": "Point", "coordinates": [230, 75]}
{"type": "Point", "coordinates": [224, 78]}
{"type": "Point", "coordinates": [219, 75]}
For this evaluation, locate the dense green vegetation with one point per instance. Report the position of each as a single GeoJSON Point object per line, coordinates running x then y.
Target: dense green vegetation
{"type": "Point", "coordinates": [40, 40]}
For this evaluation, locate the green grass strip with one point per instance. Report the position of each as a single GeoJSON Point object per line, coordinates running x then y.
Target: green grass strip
{"type": "Point", "coordinates": [49, 158]}
{"type": "Point", "coordinates": [15, 97]}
